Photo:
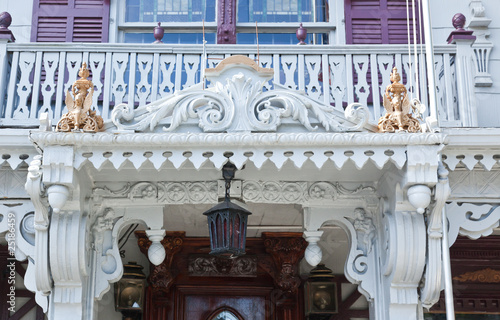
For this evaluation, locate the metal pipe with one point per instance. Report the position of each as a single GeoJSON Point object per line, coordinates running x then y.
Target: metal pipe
{"type": "Point", "coordinates": [429, 55]}
{"type": "Point", "coordinates": [448, 288]}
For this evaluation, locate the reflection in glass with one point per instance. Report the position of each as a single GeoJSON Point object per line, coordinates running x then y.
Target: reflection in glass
{"type": "Point", "coordinates": [225, 315]}
{"type": "Point", "coordinates": [170, 11]}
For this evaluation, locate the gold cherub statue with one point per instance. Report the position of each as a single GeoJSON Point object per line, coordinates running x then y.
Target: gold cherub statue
{"type": "Point", "coordinates": [398, 107]}
{"type": "Point", "coordinates": [79, 115]}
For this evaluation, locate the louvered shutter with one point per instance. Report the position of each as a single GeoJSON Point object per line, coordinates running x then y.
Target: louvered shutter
{"type": "Point", "coordinates": [377, 21]}
{"type": "Point", "coordinates": [70, 21]}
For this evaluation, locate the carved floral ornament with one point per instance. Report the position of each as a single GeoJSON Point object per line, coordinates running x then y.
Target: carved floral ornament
{"type": "Point", "coordinates": [487, 275]}
{"type": "Point", "coordinates": [252, 191]}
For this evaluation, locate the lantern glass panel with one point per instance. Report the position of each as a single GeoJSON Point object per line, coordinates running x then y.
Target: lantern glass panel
{"type": "Point", "coordinates": [130, 294]}
{"type": "Point", "coordinates": [321, 298]}
{"type": "Point", "coordinates": [230, 220]}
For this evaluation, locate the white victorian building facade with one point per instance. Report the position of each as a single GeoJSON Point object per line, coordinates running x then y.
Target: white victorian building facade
{"type": "Point", "coordinates": [322, 183]}
{"type": "Point", "coordinates": [386, 191]}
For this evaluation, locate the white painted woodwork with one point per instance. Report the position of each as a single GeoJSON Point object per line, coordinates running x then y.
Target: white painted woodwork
{"type": "Point", "coordinates": [160, 73]}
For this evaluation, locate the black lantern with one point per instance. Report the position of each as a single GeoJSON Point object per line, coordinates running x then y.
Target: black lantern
{"type": "Point", "coordinates": [129, 291]}
{"type": "Point", "coordinates": [320, 294]}
{"type": "Point", "coordinates": [227, 222]}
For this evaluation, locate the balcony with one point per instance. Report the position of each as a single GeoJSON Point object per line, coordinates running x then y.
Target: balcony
{"type": "Point", "coordinates": [36, 76]}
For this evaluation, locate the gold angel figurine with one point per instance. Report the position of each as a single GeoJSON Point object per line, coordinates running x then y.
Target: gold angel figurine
{"type": "Point", "coordinates": [398, 115]}
{"type": "Point", "coordinates": [80, 115]}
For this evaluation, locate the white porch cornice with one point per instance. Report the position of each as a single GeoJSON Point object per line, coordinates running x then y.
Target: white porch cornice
{"type": "Point", "coordinates": [198, 148]}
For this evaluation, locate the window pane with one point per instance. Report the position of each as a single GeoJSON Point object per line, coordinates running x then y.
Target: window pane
{"type": "Point", "coordinates": [280, 38]}
{"type": "Point", "coordinates": [196, 38]}
{"type": "Point", "coordinates": [170, 10]}
{"type": "Point", "coordinates": [282, 10]}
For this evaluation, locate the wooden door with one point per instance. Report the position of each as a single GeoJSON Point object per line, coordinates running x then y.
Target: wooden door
{"type": "Point", "coordinates": [197, 303]}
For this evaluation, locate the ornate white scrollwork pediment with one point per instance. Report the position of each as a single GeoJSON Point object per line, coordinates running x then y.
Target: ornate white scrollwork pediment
{"type": "Point", "coordinates": [236, 101]}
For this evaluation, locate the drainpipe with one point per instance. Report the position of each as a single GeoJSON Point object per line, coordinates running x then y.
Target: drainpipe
{"type": "Point", "coordinates": [448, 289]}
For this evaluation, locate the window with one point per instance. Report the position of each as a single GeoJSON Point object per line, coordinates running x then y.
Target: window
{"type": "Point", "coordinates": [169, 11]}
{"type": "Point", "coordinates": [282, 10]}
{"type": "Point", "coordinates": [182, 20]}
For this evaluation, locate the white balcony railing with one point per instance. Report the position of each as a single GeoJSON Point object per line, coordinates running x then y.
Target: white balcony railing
{"type": "Point", "coordinates": [41, 74]}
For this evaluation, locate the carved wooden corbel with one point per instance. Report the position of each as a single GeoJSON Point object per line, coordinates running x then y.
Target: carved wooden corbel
{"type": "Point", "coordinates": [286, 250]}
{"type": "Point", "coordinates": [162, 275]}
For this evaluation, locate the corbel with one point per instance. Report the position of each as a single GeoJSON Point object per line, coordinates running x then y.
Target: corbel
{"type": "Point", "coordinates": [403, 250]}
{"type": "Point", "coordinates": [286, 250]}
{"type": "Point", "coordinates": [431, 289]}
{"type": "Point", "coordinates": [36, 190]}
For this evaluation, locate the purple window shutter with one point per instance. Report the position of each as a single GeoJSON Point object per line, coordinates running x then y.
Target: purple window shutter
{"type": "Point", "coordinates": [377, 22]}
{"type": "Point", "coordinates": [70, 21]}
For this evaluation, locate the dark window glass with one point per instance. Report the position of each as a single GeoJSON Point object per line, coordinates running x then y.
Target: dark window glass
{"type": "Point", "coordinates": [282, 11]}
{"type": "Point", "coordinates": [170, 10]}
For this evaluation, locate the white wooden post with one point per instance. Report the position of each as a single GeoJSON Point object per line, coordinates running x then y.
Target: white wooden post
{"type": "Point", "coordinates": [3, 72]}
{"type": "Point", "coordinates": [465, 75]}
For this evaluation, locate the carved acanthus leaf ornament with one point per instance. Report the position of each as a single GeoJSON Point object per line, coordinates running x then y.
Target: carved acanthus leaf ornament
{"type": "Point", "coordinates": [487, 275]}
{"type": "Point", "coordinates": [80, 116]}
{"type": "Point", "coordinates": [398, 108]}
{"type": "Point", "coordinates": [236, 102]}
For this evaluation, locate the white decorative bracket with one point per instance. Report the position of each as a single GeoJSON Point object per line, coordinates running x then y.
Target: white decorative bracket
{"type": "Point", "coordinates": [107, 226]}
{"type": "Point", "coordinates": [482, 46]}
{"type": "Point", "coordinates": [36, 191]}
{"type": "Point", "coordinates": [431, 289]}
{"type": "Point", "coordinates": [471, 220]}
{"type": "Point", "coordinates": [361, 266]}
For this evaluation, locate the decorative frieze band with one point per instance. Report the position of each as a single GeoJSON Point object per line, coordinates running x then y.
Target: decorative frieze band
{"type": "Point", "coordinates": [252, 191]}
